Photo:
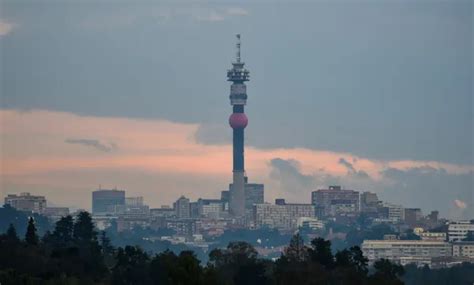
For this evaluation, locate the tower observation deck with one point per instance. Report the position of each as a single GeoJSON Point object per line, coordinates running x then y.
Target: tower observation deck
{"type": "Point", "coordinates": [238, 75]}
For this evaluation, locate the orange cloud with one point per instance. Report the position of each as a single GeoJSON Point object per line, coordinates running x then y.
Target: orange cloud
{"type": "Point", "coordinates": [33, 146]}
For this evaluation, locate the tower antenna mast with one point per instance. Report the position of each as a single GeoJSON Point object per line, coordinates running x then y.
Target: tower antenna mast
{"type": "Point", "coordinates": [238, 48]}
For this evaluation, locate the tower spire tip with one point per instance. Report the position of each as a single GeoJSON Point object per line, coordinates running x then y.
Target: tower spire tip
{"type": "Point", "coordinates": [238, 47]}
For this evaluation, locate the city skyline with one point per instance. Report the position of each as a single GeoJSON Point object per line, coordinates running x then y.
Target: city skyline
{"type": "Point", "coordinates": [314, 124]}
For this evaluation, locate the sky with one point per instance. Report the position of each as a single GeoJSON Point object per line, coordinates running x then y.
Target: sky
{"type": "Point", "coordinates": [371, 95]}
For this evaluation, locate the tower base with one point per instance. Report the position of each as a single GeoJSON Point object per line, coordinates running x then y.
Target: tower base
{"type": "Point", "coordinates": [237, 195]}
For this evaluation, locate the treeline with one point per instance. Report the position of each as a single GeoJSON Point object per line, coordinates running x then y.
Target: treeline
{"type": "Point", "coordinates": [75, 253]}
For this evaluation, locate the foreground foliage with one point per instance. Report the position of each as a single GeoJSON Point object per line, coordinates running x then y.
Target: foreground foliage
{"type": "Point", "coordinates": [75, 253]}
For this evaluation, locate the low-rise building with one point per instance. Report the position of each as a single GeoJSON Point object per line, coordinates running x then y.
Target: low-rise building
{"type": "Point", "coordinates": [26, 202]}
{"type": "Point", "coordinates": [310, 223]}
{"type": "Point", "coordinates": [457, 231]}
{"type": "Point", "coordinates": [463, 249]}
{"type": "Point", "coordinates": [55, 213]}
{"type": "Point", "coordinates": [210, 208]}
{"type": "Point", "coordinates": [182, 227]}
{"type": "Point", "coordinates": [406, 251]}
{"type": "Point", "coordinates": [433, 236]}
{"type": "Point", "coordinates": [128, 223]}
{"type": "Point", "coordinates": [163, 212]}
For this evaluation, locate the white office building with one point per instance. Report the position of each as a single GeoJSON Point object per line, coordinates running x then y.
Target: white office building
{"type": "Point", "coordinates": [404, 252]}
{"type": "Point", "coordinates": [457, 231]}
{"type": "Point", "coordinates": [284, 217]}
{"type": "Point", "coordinates": [310, 223]}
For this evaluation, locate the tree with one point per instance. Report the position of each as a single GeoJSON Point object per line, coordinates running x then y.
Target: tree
{"type": "Point", "coordinates": [358, 260]}
{"type": "Point", "coordinates": [167, 268]}
{"type": "Point", "coordinates": [239, 263]}
{"type": "Point", "coordinates": [162, 267]}
{"type": "Point", "coordinates": [84, 228]}
{"type": "Point", "coordinates": [469, 236]}
{"type": "Point", "coordinates": [12, 236]}
{"type": "Point", "coordinates": [321, 252]}
{"type": "Point", "coordinates": [107, 249]}
{"type": "Point", "coordinates": [105, 243]}
{"type": "Point", "coordinates": [131, 267]}
{"type": "Point", "coordinates": [31, 236]}
{"type": "Point", "coordinates": [63, 232]}
{"type": "Point", "coordinates": [296, 250]}
{"type": "Point", "coordinates": [350, 267]}
{"type": "Point", "coordinates": [294, 266]}
{"type": "Point", "coordinates": [387, 273]}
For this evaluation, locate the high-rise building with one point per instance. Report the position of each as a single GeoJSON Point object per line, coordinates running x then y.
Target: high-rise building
{"type": "Point", "coordinates": [238, 75]}
{"type": "Point", "coordinates": [413, 216]}
{"type": "Point", "coordinates": [105, 202]}
{"type": "Point", "coordinates": [254, 194]}
{"type": "Point", "coordinates": [335, 200]}
{"type": "Point", "coordinates": [392, 212]}
{"type": "Point", "coordinates": [283, 217]}
{"type": "Point", "coordinates": [26, 202]}
{"type": "Point", "coordinates": [182, 208]}
{"type": "Point", "coordinates": [369, 202]}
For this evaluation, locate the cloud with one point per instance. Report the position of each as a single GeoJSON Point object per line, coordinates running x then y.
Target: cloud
{"type": "Point", "coordinates": [211, 16]}
{"type": "Point", "coordinates": [5, 27]}
{"type": "Point", "coordinates": [431, 188]}
{"type": "Point", "coordinates": [93, 143]}
{"type": "Point", "coordinates": [460, 204]}
{"type": "Point", "coordinates": [218, 15]}
{"type": "Point", "coordinates": [348, 165]}
{"type": "Point", "coordinates": [351, 169]}
{"type": "Point", "coordinates": [213, 134]}
{"type": "Point", "coordinates": [35, 156]}
{"type": "Point", "coordinates": [288, 174]}
{"type": "Point", "coordinates": [236, 11]}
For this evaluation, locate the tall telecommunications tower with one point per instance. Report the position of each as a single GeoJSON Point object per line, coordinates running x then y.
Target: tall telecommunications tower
{"type": "Point", "coordinates": [238, 121]}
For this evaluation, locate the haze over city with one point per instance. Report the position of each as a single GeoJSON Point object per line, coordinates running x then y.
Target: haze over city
{"type": "Point", "coordinates": [373, 96]}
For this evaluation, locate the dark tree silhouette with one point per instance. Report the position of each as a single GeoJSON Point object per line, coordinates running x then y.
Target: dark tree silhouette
{"type": "Point", "coordinates": [387, 273]}
{"type": "Point", "coordinates": [132, 266]}
{"type": "Point", "coordinates": [296, 250]}
{"type": "Point", "coordinates": [63, 232]}
{"type": "Point", "coordinates": [84, 228]}
{"type": "Point", "coordinates": [11, 235]}
{"type": "Point", "coordinates": [238, 263]}
{"type": "Point", "coordinates": [320, 252]}
{"type": "Point", "coordinates": [31, 236]}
